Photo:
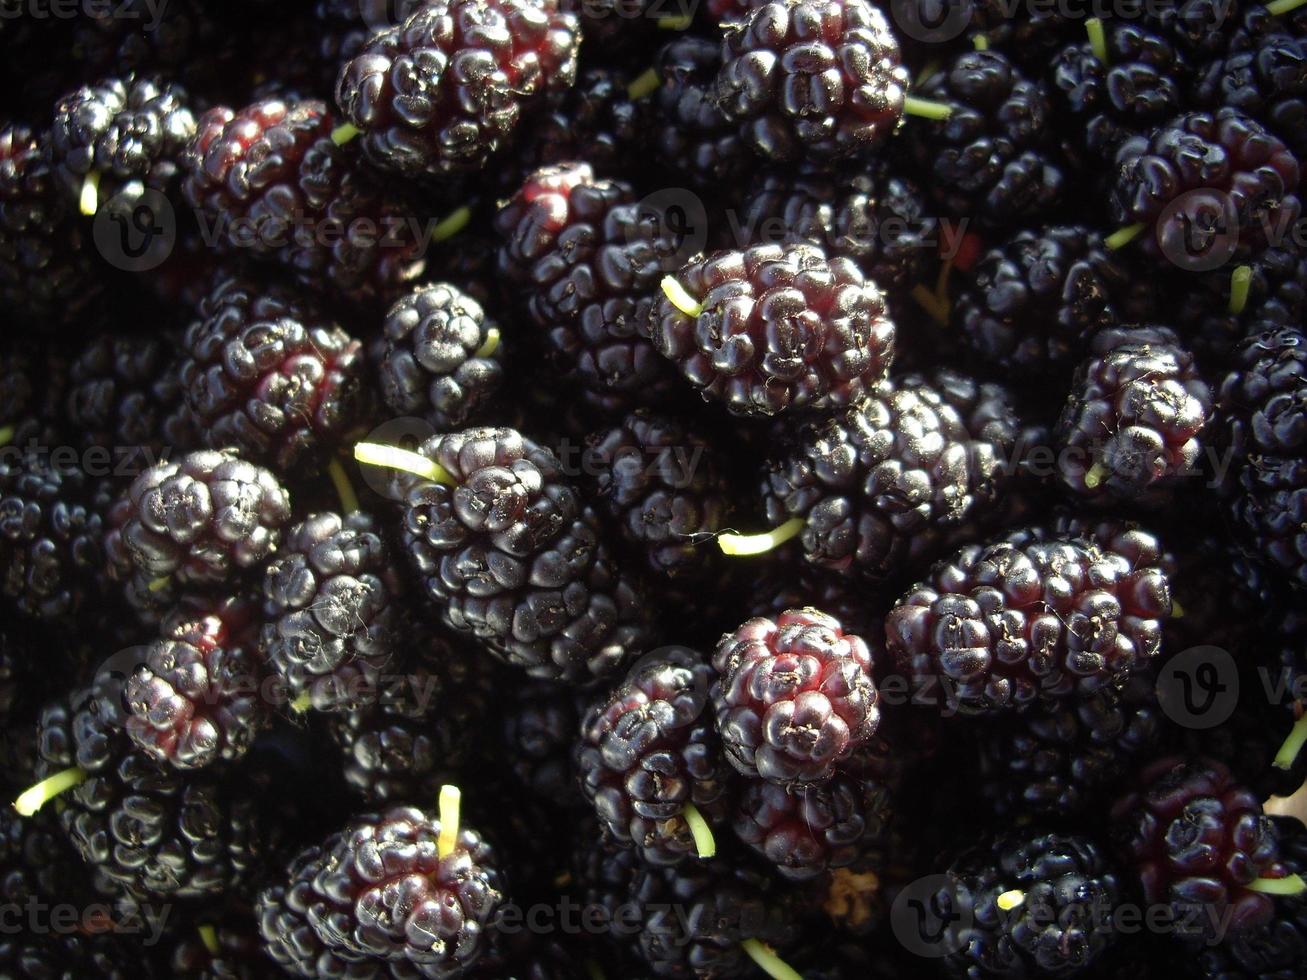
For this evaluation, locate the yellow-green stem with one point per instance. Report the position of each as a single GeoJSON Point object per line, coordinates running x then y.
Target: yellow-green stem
{"type": "Point", "coordinates": [349, 500]}
{"type": "Point", "coordinates": [980, 42]}
{"type": "Point", "coordinates": [35, 797]}
{"type": "Point", "coordinates": [209, 936]}
{"type": "Point", "coordinates": [1096, 475]}
{"type": "Point", "coordinates": [1124, 236]}
{"type": "Point", "coordinates": [704, 842]}
{"type": "Point", "coordinates": [644, 85]}
{"type": "Point", "coordinates": [7, 434]}
{"type": "Point", "coordinates": [302, 703]}
{"type": "Point", "coordinates": [1289, 885]}
{"type": "Point", "coordinates": [759, 544]}
{"type": "Point", "coordinates": [928, 301]}
{"type": "Point", "coordinates": [926, 109]}
{"type": "Point", "coordinates": [491, 345]}
{"type": "Point", "coordinates": [1097, 38]}
{"type": "Point", "coordinates": [1288, 754]}
{"type": "Point", "coordinates": [680, 22]}
{"type": "Point", "coordinates": [1240, 282]}
{"type": "Point", "coordinates": [680, 297]}
{"type": "Point", "coordinates": [1010, 899]}
{"type": "Point", "coordinates": [452, 224]}
{"type": "Point", "coordinates": [1177, 610]}
{"type": "Point", "coordinates": [1283, 6]}
{"type": "Point", "coordinates": [768, 961]}
{"type": "Point", "coordinates": [343, 133]}
{"type": "Point", "coordinates": [450, 801]}
{"type": "Point", "coordinates": [159, 584]}
{"type": "Point", "coordinates": [394, 458]}
{"type": "Point", "coordinates": [89, 201]}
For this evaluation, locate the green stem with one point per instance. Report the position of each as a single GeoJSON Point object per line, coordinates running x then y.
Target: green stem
{"type": "Point", "coordinates": [209, 936]}
{"type": "Point", "coordinates": [1094, 478]}
{"type": "Point", "coordinates": [680, 22]}
{"type": "Point", "coordinates": [644, 85]}
{"type": "Point", "coordinates": [926, 109]}
{"type": "Point", "coordinates": [452, 224]}
{"type": "Point", "coordinates": [7, 434]}
{"type": "Point", "coordinates": [491, 345]}
{"type": "Point", "coordinates": [980, 42]}
{"type": "Point", "coordinates": [1124, 236]}
{"type": "Point", "coordinates": [769, 962]}
{"type": "Point", "coordinates": [1240, 282]}
{"type": "Point", "coordinates": [680, 297]}
{"type": "Point", "coordinates": [759, 544]}
{"type": "Point", "coordinates": [35, 797]}
{"type": "Point", "coordinates": [1097, 39]}
{"type": "Point", "coordinates": [302, 703]}
{"type": "Point", "coordinates": [1289, 885]}
{"type": "Point", "coordinates": [349, 500]}
{"type": "Point", "coordinates": [394, 458]}
{"type": "Point", "coordinates": [1283, 6]}
{"type": "Point", "coordinates": [1288, 754]}
{"type": "Point", "coordinates": [159, 584]}
{"type": "Point", "coordinates": [704, 842]}
{"type": "Point", "coordinates": [450, 801]}
{"type": "Point", "coordinates": [343, 133]}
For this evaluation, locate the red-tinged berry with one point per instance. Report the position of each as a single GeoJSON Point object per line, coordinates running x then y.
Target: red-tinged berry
{"type": "Point", "coordinates": [774, 328]}
{"type": "Point", "coordinates": [795, 696]}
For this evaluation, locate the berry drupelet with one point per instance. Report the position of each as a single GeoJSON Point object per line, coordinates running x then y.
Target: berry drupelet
{"type": "Point", "coordinates": [1029, 903]}
{"type": "Point", "coordinates": [774, 328]}
{"type": "Point", "coordinates": [442, 360]}
{"type": "Point", "coordinates": [331, 608]}
{"type": "Point", "coordinates": [196, 697]}
{"type": "Point", "coordinates": [1264, 77]}
{"type": "Point", "coordinates": [125, 396]}
{"type": "Point", "coordinates": [711, 922]}
{"type": "Point", "coordinates": [1134, 81]}
{"type": "Point", "coordinates": [50, 537]}
{"type": "Point", "coordinates": [195, 523]}
{"type": "Point", "coordinates": [818, 80]}
{"type": "Point", "coordinates": [692, 136]}
{"type": "Point", "coordinates": [1033, 300]}
{"type": "Point", "coordinates": [268, 178]}
{"type": "Point", "coordinates": [442, 92]}
{"type": "Point", "coordinates": [48, 272]}
{"type": "Point", "coordinates": [664, 485]}
{"type": "Point", "coordinates": [150, 831]}
{"type": "Point", "coordinates": [423, 726]}
{"type": "Point", "coordinates": [651, 764]}
{"type": "Point", "coordinates": [878, 488]}
{"type": "Point", "coordinates": [1057, 761]}
{"type": "Point", "coordinates": [589, 262]}
{"type": "Point", "coordinates": [506, 548]}
{"type": "Point", "coordinates": [795, 696]}
{"type": "Point", "coordinates": [268, 376]}
{"type": "Point", "coordinates": [1040, 615]}
{"type": "Point", "coordinates": [1199, 842]}
{"type": "Point", "coordinates": [991, 157]}
{"type": "Point", "coordinates": [1264, 402]}
{"type": "Point", "coordinates": [120, 136]}
{"type": "Point", "coordinates": [807, 831]}
{"type": "Point", "coordinates": [1204, 187]}
{"type": "Point", "coordinates": [1130, 429]}
{"type": "Point", "coordinates": [873, 216]}
{"type": "Point", "coordinates": [400, 889]}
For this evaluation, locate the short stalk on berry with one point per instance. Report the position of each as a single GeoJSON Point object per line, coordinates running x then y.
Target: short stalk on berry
{"type": "Point", "coordinates": [35, 797]}
{"type": "Point", "coordinates": [7, 434]}
{"type": "Point", "coordinates": [88, 201]}
{"type": "Point", "coordinates": [768, 961]}
{"type": "Point", "coordinates": [491, 343]}
{"type": "Point", "coordinates": [679, 22]}
{"type": "Point", "coordinates": [1240, 282]}
{"type": "Point", "coordinates": [1124, 236]}
{"type": "Point", "coordinates": [343, 133]}
{"type": "Point", "coordinates": [1010, 899]}
{"type": "Point", "coordinates": [1097, 38]}
{"type": "Point", "coordinates": [1289, 885]}
{"type": "Point", "coordinates": [209, 936]}
{"type": "Point", "coordinates": [349, 500]}
{"type": "Point", "coordinates": [450, 801]}
{"type": "Point", "coordinates": [644, 85]}
{"type": "Point", "coordinates": [704, 842]}
{"type": "Point", "coordinates": [1278, 7]}
{"type": "Point", "coordinates": [394, 458]}
{"type": "Point", "coordinates": [926, 109]}
{"type": "Point", "coordinates": [451, 224]}
{"type": "Point", "coordinates": [1289, 751]}
{"type": "Point", "coordinates": [758, 544]}
{"type": "Point", "coordinates": [680, 297]}
{"type": "Point", "coordinates": [980, 42]}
